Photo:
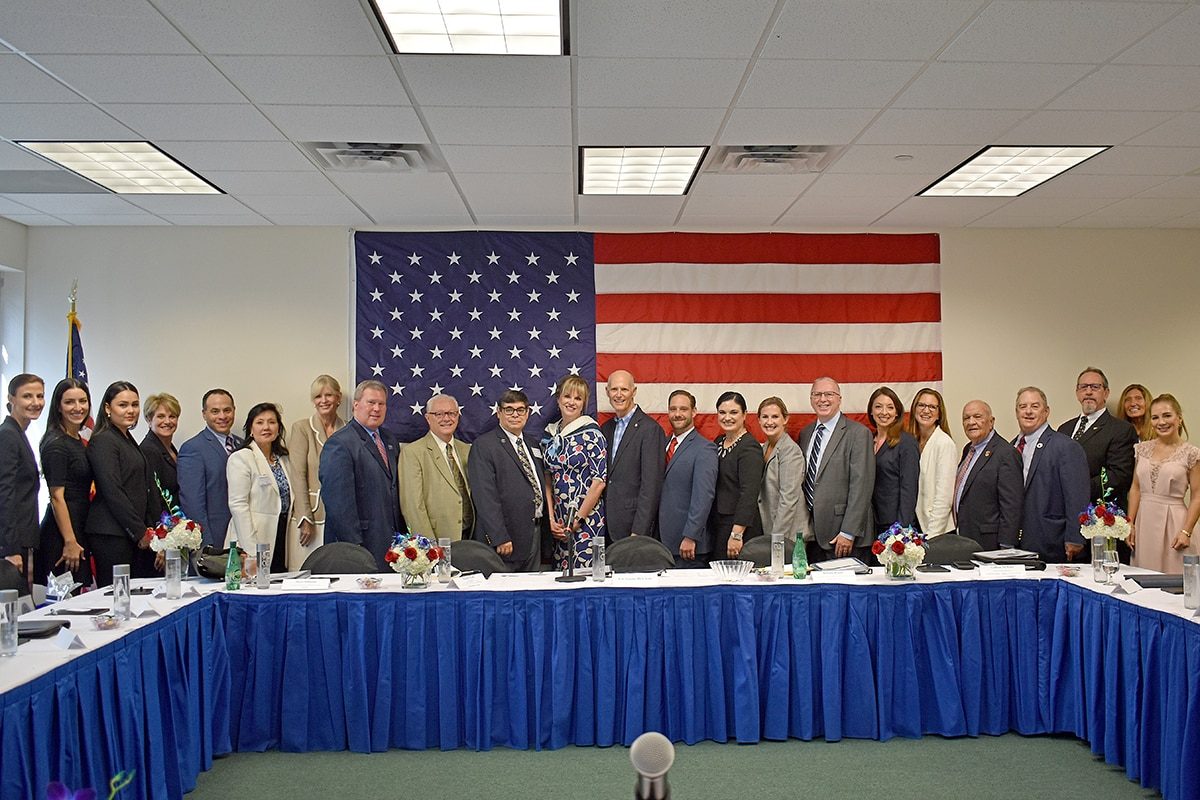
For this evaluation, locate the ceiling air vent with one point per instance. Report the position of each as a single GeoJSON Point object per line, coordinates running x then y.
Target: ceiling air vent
{"type": "Point", "coordinates": [372, 157]}
{"type": "Point", "coordinates": [772, 159]}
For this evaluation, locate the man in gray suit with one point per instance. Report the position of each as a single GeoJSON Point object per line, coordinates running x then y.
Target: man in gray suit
{"type": "Point", "coordinates": [839, 477]}
{"type": "Point", "coordinates": [508, 486]}
{"type": "Point", "coordinates": [689, 485]}
{"type": "Point", "coordinates": [635, 463]}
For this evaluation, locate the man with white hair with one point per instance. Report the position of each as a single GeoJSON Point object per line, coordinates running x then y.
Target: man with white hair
{"type": "Point", "coordinates": [434, 492]}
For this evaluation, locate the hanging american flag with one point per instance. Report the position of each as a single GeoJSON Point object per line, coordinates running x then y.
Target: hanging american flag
{"type": "Point", "coordinates": [763, 314]}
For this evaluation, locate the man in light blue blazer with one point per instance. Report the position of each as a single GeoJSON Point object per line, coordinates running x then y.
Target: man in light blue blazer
{"type": "Point", "coordinates": [203, 492]}
{"type": "Point", "coordinates": [358, 471]}
{"type": "Point", "coordinates": [689, 485]}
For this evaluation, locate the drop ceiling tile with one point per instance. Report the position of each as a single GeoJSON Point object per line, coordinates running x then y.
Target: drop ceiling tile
{"type": "Point", "coordinates": [68, 26]}
{"type": "Point", "coordinates": [348, 123]}
{"type": "Point", "coordinates": [10, 206]}
{"type": "Point", "coordinates": [46, 181]}
{"type": "Point", "coordinates": [531, 159]}
{"type": "Point", "coordinates": [794, 125]}
{"type": "Point", "coordinates": [765, 207]}
{"type": "Point", "coordinates": [614, 223]}
{"type": "Point", "coordinates": [1160, 207]}
{"type": "Point", "coordinates": [461, 80]}
{"type": "Point", "coordinates": [787, 186]}
{"type": "Point", "coordinates": [143, 79]}
{"type": "Point", "coordinates": [113, 219]}
{"type": "Point", "coordinates": [35, 220]}
{"type": "Point", "coordinates": [348, 219]}
{"type": "Point", "coordinates": [538, 222]}
{"type": "Point", "coordinates": [393, 197]}
{"type": "Point", "coordinates": [930, 160]}
{"type": "Point", "coordinates": [988, 86]}
{"type": "Point", "coordinates": [842, 207]}
{"type": "Point", "coordinates": [59, 204]}
{"type": "Point", "coordinates": [274, 205]}
{"type": "Point", "coordinates": [834, 185]}
{"type": "Point", "coordinates": [1103, 220]}
{"type": "Point", "coordinates": [1082, 186]}
{"type": "Point", "coordinates": [301, 27]}
{"type": "Point", "coordinates": [1187, 187]}
{"type": "Point", "coordinates": [246, 218]}
{"type": "Point", "coordinates": [187, 204]}
{"type": "Point", "coordinates": [21, 82]}
{"type": "Point", "coordinates": [197, 122]}
{"type": "Point", "coordinates": [866, 29]}
{"type": "Point", "coordinates": [63, 121]}
{"type": "Point", "coordinates": [1129, 160]}
{"type": "Point", "coordinates": [1030, 211]}
{"type": "Point", "coordinates": [665, 207]}
{"type": "Point", "coordinates": [239, 156]}
{"type": "Point", "coordinates": [939, 212]}
{"type": "Point", "coordinates": [1126, 87]}
{"type": "Point", "coordinates": [671, 29]}
{"type": "Point", "coordinates": [1064, 33]}
{"type": "Point", "coordinates": [648, 126]}
{"type": "Point", "coordinates": [910, 126]}
{"type": "Point", "coordinates": [499, 126]}
{"type": "Point", "coordinates": [658, 82]}
{"type": "Point", "coordinates": [317, 80]}
{"type": "Point", "coordinates": [724, 223]}
{"type": "Point", "coordinates": [1180, 131]}
{"type": "Point", "coordinates": [13, 157]}
{"type": "Point", "coordinates": [825, 84]}
{"type": "Point", "coordinates": [249, 184]}
{"type": "Point", "coordinates": [1081, 127]}
{"type": "Point", "coordinates": [1175, 43]}
{"type": "Point", "coordinates": [518, 193]}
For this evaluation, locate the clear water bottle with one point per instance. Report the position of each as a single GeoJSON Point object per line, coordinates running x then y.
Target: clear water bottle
{"type": "Point", "coordinates": [174, 580]}
{"type": "Point", "coordinates": [1098, 575]}
{"type": "Point", "coordinates": [799, 559]}
{"type": "Point", "coordinates": [599, 564]}
{"type": "Point", "coordinates": [777, 555]}
{"type": "Point", "coordinates": [263, 578]}
{"type": "Point", "coordinates": [8, 622]}
{"type": "Point", "coordinates": [443, 564]}
{"type": "Point", "coordinates": [233, 568]}
{"type": "Point", "coordinates": [120, 590]}
{"type": "Point", "coordinates": [1191, 581]}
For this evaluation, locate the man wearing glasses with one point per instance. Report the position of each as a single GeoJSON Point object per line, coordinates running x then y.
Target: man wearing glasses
{"type": "Point", "coordinates": [839, 477]}
{"type": "Point", "coordinates": [435, 495]}
{"type": "Point", "coordinates": [509, 486]}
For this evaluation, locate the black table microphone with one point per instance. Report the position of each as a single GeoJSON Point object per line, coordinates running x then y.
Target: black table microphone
{"type": "Point", "coordinates": [652, 754]}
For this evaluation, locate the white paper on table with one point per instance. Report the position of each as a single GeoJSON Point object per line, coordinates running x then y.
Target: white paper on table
{"type": "Point", "coordinates": [66, 639]}
{"type": "Point", "coordinates": [1127, 586]}
{"type": "Point", "coordinates": [997, 571]}
{"type": "Point", "coordinates": [633, 579]}
{"type": "Point", "coordinates": [142, 608]}
{"type": "Point", "coordinates": [305, 584]}
{"type": "Point", "coordinates": [476, 581]}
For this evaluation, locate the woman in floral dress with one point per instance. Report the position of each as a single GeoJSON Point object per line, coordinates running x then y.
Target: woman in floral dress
{"type": "Point", "coordinates": [576, 458]}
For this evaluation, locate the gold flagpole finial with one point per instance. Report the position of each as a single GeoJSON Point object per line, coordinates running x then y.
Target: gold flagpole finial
{"type": "Point", "coordinates": [74, 292]}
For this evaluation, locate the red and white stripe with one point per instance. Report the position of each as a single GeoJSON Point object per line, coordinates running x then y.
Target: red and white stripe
{"type": "Point", "coordinates": [766, 314]}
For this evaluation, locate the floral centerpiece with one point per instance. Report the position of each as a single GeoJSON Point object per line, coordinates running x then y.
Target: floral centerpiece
{"type": "Point", "coordinates": [174, 530]}
{"type": "Point", "coordinates": [900, 549]}
{"type": "Point", "coordinates": [414, 557]}
{"type": "Point", "coordinates": [1104, 518]}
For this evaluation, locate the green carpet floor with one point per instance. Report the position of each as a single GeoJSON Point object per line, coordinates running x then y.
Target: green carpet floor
{"type": "Point", "coordinates": [1003, 767]}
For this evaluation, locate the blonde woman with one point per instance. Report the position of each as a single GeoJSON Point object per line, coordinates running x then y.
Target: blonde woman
{"type": "Point", "coordinates": [307, 529]}
{"type": "Point", "coordinates": [1167, 470]}
{"type": "Point", "coordinates": [1134, 408]}
{"type": "Point", "coordinates": [939, 461]}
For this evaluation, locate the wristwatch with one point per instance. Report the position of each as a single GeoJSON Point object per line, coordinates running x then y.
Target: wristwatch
{"type": "Point", "coordinates": [736, 537]}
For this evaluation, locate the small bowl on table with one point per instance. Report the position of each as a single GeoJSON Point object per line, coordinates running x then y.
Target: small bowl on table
{"type": "Point", "coordinates": [106, 622]}
{"type": "Point", "coordinates": [731, 571]}
{"type": "Point", "coordinates": [369, 582]}
{"type": "Point", "coordinates": [1068, 570]}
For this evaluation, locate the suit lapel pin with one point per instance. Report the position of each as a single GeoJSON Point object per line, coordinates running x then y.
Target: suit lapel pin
{"type": "Point", "coordinates": [1039, 445]}
{"type": "Point", "coordinates": [987, 453]}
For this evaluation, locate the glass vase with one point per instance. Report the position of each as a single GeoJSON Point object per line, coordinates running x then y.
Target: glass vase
{"type": "Point", "coordinates": [900, 571]}
{"type": "Point", "coordinates": [414, 580]}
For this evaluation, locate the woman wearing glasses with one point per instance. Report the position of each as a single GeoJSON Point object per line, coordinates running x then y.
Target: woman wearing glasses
{"type": "Point", "coordinates": [939, 460]}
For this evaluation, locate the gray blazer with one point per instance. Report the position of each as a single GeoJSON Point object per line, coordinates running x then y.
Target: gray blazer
{"type": "Point", "coordinates": [844, 484]}
{"type": "Point", "coordinates": [688, 488]}
{"type": "Point", "coordinates": [781, 500]}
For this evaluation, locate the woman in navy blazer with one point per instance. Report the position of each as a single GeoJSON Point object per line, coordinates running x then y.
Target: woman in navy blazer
{"type": "Point", "coordinates": [734, 517]}
{"type": "Point", "coordinates": [897, 462]}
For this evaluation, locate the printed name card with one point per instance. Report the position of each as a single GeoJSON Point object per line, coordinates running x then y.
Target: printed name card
{"type": "Point", "coordinates": [631, 579]}
{"type": "Point", "coordinates": [305, 584]}
{"type": "Point", "coordinates": [66, 639]}
{"type": "Point", "coordinates": [476, 581]}
{"type": "Point", "coordinates": [1127, 586]}
{"type": "Point", "coordinates": [140, 608]}
{"type": "Point", "coordinates": [998, 571]}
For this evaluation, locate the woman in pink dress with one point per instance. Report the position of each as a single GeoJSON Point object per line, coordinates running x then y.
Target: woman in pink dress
{"type": "Point", "coordinates": [1168, 468]}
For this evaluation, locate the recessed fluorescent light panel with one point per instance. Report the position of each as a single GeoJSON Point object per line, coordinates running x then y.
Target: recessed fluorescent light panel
{"type": "Point", "coordinates": [480, 27]}
{"type": "Point", "coordinates": [1008, 171]}
{"type": "Point", "coordinates": [124, 167]}
{"type": "Point", "coordinates": [640, 170]}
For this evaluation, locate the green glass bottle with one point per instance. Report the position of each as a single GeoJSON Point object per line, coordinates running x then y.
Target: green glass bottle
{"type": "Point", "coordinates": [233, 568]}
{"type": "Point", "coordinates": [799, 560]}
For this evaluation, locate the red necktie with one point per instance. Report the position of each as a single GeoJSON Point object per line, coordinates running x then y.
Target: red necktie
{"type": "Point", "coordinates": [382, 450]}
{"type": "Point", "coordinates": [1021, 445]}
{"type": "Point", "coordinates": [671, 448]}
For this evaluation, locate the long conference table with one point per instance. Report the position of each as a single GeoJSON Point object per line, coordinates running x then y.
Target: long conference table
{"type": "Point", "coordinates": [524, 662]}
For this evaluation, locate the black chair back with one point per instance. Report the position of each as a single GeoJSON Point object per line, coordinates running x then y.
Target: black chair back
{"type": "Point", "coordinates": [472, 555]}
{"type": "Point", "coordinates": [340, 558]}
{"type": "Point", "coordinates": [948, 548]}
{"type": "Point", "coordinates": [638, 554]}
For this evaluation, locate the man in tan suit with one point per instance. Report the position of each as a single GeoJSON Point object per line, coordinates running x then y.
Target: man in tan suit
{"type": "Point", "coordinates": [434, 494]}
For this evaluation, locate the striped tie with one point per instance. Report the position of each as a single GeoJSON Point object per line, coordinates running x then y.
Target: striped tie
{"type": "Point", "coordinates": [814, 458]}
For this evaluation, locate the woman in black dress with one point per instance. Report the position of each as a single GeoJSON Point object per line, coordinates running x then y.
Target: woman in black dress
{"type": "Point", "coordinates": [69, 478]}
{"type": "Point", "coordinates": [734, 517]}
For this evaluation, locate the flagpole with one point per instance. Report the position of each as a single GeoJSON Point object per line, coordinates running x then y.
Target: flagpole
{"type": "Point", "coordinates": [71, 326]}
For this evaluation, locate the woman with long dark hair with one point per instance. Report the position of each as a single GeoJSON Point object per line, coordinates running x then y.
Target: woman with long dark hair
{"type": "Point", "coordinates": [734, 518]}
{"type": "Point", "coordinates": [897, 462]}
{"type": "Point", "coordinates": [260, 494]}
{"type": "Point", "coordinates": [62, 545]}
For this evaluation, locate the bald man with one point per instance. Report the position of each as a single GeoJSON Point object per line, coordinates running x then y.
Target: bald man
{"type": "Point", "coordinates": [989, 489]}
{"type": "Point", "coordinates": [637, 450]}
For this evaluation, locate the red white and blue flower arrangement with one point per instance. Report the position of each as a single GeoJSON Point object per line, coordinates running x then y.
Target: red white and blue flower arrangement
{"type": "Point", "coordinates": [414, 557]}
{"type": "Point", "coordinates": [900, 549]}
{"type": "Point", "coordinates": [174, 530]}
{"type": "Point", "coordinates": [1105, 518]}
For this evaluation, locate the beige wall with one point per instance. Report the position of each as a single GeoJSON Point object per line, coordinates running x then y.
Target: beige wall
{"type": "Point", "coordinates": [263, 310]}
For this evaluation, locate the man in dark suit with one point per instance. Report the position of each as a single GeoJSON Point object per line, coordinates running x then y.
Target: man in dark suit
{"type": "Point", "coordinates": [689, 485]}
{"type": "Point", "coordinates": [839, 477]}
{"type": "Point", "coordinates": [1107, 441]}
{"type": "Point", "coordinates": [203, 492]}
{"type": "Point", "coordinates": [635, 463]}
{"type": "Point", "coordinates": [19, 473]}
{"type": "Point", "coordinates": [358, 477]}
{"type": "Point", "coordinates": [508, 485]}
{"type": "Point", "coordinates": [989, 488]}
{"type": "Point", "coordinates": [1056, 482]}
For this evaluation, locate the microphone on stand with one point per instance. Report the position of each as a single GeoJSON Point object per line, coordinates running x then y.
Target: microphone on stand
{"type": "Point", "coordinates": [569, 575]}
{"type": "Point", "coordinates": [652, 754]}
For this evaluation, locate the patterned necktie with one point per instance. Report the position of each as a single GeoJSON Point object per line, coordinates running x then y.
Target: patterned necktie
{"type": "Point", "coordinates": [382, 450]}
{"type": "Point", "coordinates": [1081, 427]}
{"type": "Point", "coordinates": [963, 469]}
{"type": "Point", "coordinates": [228, 445]}
{"type": "Point", "coordinates": [671, 449]}
{"type": "Point", "coordinates": [468, 513]}
{"type": "Point", "coordinates": [810, 474]}
{"type": "Point", "coordinates": [527, 468]}
{"type": "Point", "coordinates": [1021, 445]}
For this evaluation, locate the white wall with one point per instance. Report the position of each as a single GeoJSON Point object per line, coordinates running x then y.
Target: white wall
{"type": "Point", "coordinates": [264, 310]}
{"type": "Point", "coordinates": [13, 252]}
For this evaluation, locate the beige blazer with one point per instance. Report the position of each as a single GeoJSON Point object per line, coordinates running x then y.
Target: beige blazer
{"type": "Point", "coordinates": [254, 504]}
{"type": "Point", "coordinates": [935, 489]}
{"type": "Point", "coordinates": [305, 444]}
{"type": "Point", "coordinates": [428, 494]}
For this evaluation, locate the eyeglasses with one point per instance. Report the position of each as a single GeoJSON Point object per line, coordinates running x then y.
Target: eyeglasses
{"type": "Point", "coordinates": [518, 411]}
{"type": "Point", "coordinates": [928, 406]}
{"type": "Point", "coordinates": [1095, 387]}
{"type": "Point", "coordinates": [824, 395]}
{"type": "Point", "coordinates": [442, 414]}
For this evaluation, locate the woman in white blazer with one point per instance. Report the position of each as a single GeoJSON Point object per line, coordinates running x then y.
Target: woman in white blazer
{"type": "Point", "coordinates": [307, 530]}
{"type": "Point", "coordinates": [781, 499]}
{"type": "Point", "coordinates": [260, 494]}
{"type": "Point", "coordinates": [939, 462]}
